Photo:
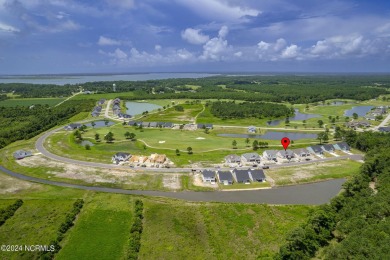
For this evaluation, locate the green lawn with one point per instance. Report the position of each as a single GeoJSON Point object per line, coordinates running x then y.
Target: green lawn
{"type": "Point", "coordinates": [30, 101]}
{"type": "Point", "coordinates": [102, 229]}
{"type": "Point", "coordinates": [252, 185]}
{"type": "Point", "coordinates": [313, 172]}
{"type": "Point", "coordinates": [215, 230]}
{"type": "Point", "coordinates": [35, 223]}
{"type": "Point", "coordinates": [171, 115]}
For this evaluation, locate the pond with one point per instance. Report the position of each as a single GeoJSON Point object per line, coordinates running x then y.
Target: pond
{"type": "Point", "coordinates": [338, 103]}
{"type": "Point", "coordinates": [137, 108]}
{"type": "Point", "coordinates": [298, 116]}
{"type": "Point", "coordinates": [360, 110]}
{"type": "Point", "coordinates": [100, 123]}
{"type": "Point", "coordinates": [85, 142]}
{"type": "Point", "coordinates": [273, 135]}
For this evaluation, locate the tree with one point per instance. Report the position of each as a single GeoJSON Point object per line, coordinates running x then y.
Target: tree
{"type": "Point", "coordinates": [189, 150]}
{"type": "Point", "coordinates": [109, 137]}
{"type": "Point", "coordinates": [330, 118]}
{"type": "Point", "coordinates": [87, 147]}
{"type": "Point", "coordinates": [206, 131]}
{"type": "Point", "coordinates": [177, 152]}
{"type": "Point", "coordinates": [77, 135]}
{"type": "Point", "coordinates": [124, 122]}
{"type": "Point", "coordinates": [127, 135]}
{"type": "Point", "coordinates": [337, 135]}
{"type": "Point", "coordinates": [333, 120]}
{"type": "Point", "coordinates": [304, 122]}
{"type": "Point", "coordinates": [132, 136]}
{"type": "Point", "coordinates": [106, 122]}
{"type": "Point", "coordinates": [325, 137]}
{"type": "Point", "coordinates": [287, 121]}
{"type": "Point", "coordinates": [93, 124]}
{"type": "Point", "coordinates": [234, 143]}
{"type": "Point", "coordinates": [321, 136]}
{"type": "Point", "coordinates": [247, 141]}
{"type": "Point", "coordinates": [355, 116]}
{"type": "Point", "coordinates": [255, 144]}
{"type": "Point", "coordinates": [337, 118]}
{"type": "Point", "coordinates": [97, 137]}
{"type": "Point", "coordinates": [347, 119]}
{"type": "Point", "coordinates": [320, 123]}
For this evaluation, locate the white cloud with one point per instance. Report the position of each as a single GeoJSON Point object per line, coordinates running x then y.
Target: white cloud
{"type": "Point", "coordinates": [219, 10]}
{"type": "Point", "coordinates": [194, 36]}
{"type": "Point", "coordinates": [8, 28]}
{"type": "Point", "coordinates": [118, 54]}
{"type": "Point", "coordinates": [238, 54]}
{"type": "Point", "coordinates": [216, 48]}
{"type": "Point", "coordinates": [105, 41]}
{"type": "Point", "coordinates": [157, 47]}
{"type": "Point", "coordinates": [290, 52]}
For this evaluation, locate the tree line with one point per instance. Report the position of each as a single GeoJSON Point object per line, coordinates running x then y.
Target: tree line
{"type": "Point", "coordinates": [17, 123]}
{"type": "Point", "coordinates": [357, 221]}
{"type": "Point", "coordinates": [136, 230]}
{"type": "Point", "coordinates": [249, 110]}
{"type": "Point", "coordinates": [9, 211]}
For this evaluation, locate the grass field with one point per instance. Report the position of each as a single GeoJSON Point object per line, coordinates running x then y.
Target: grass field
{"type": "Point", "coordinates": [30, 101]}
{"type": "Point", "coordinates": [173, 229]}
{"type": "Point", "coordinates": [35, 223]}
{"type": "Point", "coordinates": [313, 172]}
{"type": "Point", "coordinates": [171, 115]}
{"type": "Point", "coordinates": [215, 230]}
{"type": "Point", "coordinates": [102, 229]}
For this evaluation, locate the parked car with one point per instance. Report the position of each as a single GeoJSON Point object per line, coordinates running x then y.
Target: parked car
{"type": "Point", "coordinates": [265, 167]}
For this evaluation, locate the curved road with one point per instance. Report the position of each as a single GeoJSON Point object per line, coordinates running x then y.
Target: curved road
{"type": "Point", "coordinates": [41, 140]}
{"type": "Point", "coordinates": [305, 194]}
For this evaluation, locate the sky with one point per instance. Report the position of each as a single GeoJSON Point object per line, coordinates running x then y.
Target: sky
{"type": "Point", "coordinates": [130, 36]}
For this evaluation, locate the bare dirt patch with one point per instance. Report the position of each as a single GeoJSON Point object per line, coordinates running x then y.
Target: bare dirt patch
{"type": "Point", "coordinates": [197, 181]}
{"type": "Point", "coordinates": [172, 182]}
{"type": "Point", "coordinates": [12, 185]}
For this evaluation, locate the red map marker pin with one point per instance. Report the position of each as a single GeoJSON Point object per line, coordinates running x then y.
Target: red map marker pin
{"type": "Point", "coordinates": [285, 142]}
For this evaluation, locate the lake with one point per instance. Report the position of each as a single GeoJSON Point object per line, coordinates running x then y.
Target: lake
{"type": "Point", "coordinates": [360, 110]}
{"type": "Point", "coordinates": [100, 123]}
{"type": "Point", "coordinates": [79, 79]}
{"type": "Point", "coordinates": [298, 116]}
{"type": "Point", "coordinates": [137, 108]}
{"type": "Point", "coordinates": [273, 135]}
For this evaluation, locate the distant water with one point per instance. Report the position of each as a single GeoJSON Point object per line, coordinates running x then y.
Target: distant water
{"type": "Point", "coordinates": [297, 116]}
{"type": "Point", "coordinates": [272, 135]}
{"type": "Point", "coordinates": [137, 108]}
{"type": "Point", "coordinates": [360, 110]}
{"type": "Point", "coordinates": [79, 79]}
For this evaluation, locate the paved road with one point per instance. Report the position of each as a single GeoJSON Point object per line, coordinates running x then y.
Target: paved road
{"type": "Point", "coordinates": [304, 194]}
{"type": "Point", "coordinates": [41, 140]}
{"type": "Point", "coordinates": [384, 122]}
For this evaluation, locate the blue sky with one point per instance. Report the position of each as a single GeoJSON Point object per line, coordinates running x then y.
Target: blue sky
{"type": "Point", "coordinates": [69, 36]}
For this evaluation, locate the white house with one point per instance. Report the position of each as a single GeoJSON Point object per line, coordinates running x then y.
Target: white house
{"type": "Point", "coordinates": [208, 176]}
{"type": "Point", "coordinates": [250, 158]}
{"type": "Point", "coordinates": [270, 155]}
{"type": "Point", "coordinates": [20, 154]}
{"type": "Point", "coordinates": [121, 157]}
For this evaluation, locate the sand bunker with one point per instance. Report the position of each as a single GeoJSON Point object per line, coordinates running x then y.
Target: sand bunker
{"type": "Point", "coordinates": [200, 138]}
{"type": "Point", "coordinates": [161, 142]}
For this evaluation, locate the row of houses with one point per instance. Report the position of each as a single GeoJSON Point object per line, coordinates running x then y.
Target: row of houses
{"type": "Point", "coordinates": [358, 124]}
{"type": "Point", "coordinates": [274, 155]}
{"type": "Point", "coordinates": [116, 109]}
{"type": "Point", "coordinates": [229, 177]}
{"type": "Point", "coordinates": [384, 129]}
{"type": "Point", "coordinates": [151, 124]}
{"type": "Point", "coordinates": [139, 159]}
{"type": "Point", "coordinates": [98, 109]}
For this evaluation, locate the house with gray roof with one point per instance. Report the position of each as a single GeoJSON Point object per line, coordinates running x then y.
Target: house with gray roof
{"type": "Point", "coordinates": [329, 148]}
{"type": "Point", "coordinates": [250, 158]}
{"type": "Point", "coordinates": [132, 123]}
{"type": "Point", "coordinates": [121, 157]}
{"type": "Point", "coordinates": [301, 152]}
{"type": "Point", "coordinates": [20, 154]}
{"type": "Point", "coordinates": [270, 155]}
{"type": "Point", "coordinates": [257, 175]}
{"type": "Point", "coordinates": [153, 124]}
{"type": "Point", "coordinates": [286, 154]}
{"type": "Point", "coordinates": [208, 176]}
{"type": "Point", "coordinates": [252, 129]}
{"type": "Point", "coordinates": [225, 177]}
{"type": "Point", "coordinates": [232, 158]}
{"type": "Point", "coordinates": [145, 124]}
{"type": "Point", "coordinates": [241, 176]}
{"type": "Point", "coordinates": [168, 125]}
{"type": "Point", "coordinates": [315, 149]}
{"type": "Point", "coordinates": [342, 146]}
{"type": "Point", "coordinates": [72, 126]}
{"type": "Point", "coordinates": [384, 129]}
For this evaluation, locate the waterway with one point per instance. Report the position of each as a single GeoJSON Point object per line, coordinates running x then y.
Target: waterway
{"type": "Point", "coordinates": [100, 123]}
{"type": "Point", "coordinates": [79, 79]}
{"type": "Point", "coordinates": [273, 135]}
{"type": "Point", "coordinates": [303, 194]}
{"type": "Point", "coordinates": [137, 108]}
{"type": "Point", "coordinates": [360, 110]}
{"type": "Point", "coordinates": [297, 116]}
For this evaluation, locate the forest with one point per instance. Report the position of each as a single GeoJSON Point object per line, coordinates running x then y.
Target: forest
{"type": "Point", "coordinates": [356, 224]}
{"type": "Point", "coordinates": [278, 88]}
{"type": "Point", "coordinates": [249, 110]}
{"type": "Point", "coordinates": [17, 123]}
